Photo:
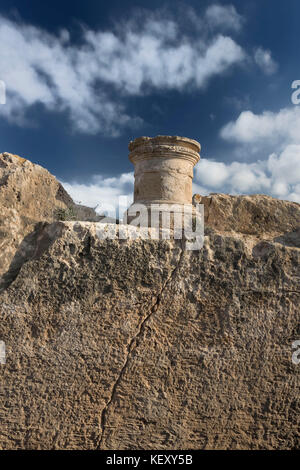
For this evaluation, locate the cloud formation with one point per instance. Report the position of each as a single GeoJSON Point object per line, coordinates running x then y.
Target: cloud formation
{"type": "Point", "coordinates": [278, 175]}
{"type": "Point", "coordinates": [93, 80]}
{"type": "Point", "coordinates": [282, 126]}
{"type": "Point", "coordinates": [263, 58]}
{"type": "Point", "coordinates": [275, 173]}
{"type": "Point", "coordinates": [102, 193]}
{"type": "Point", "coordinates": [224, 16]}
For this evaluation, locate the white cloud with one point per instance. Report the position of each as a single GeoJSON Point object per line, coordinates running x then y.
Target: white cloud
{"type": "Point", "coordinates": [250, 128]}
{"type": "Point", "coordinates": [212, 174]}
{"type": "Point", "coordinates": [286, 167]}
{"type": "Point", "coordinates": [218, 57]}
{"type": "Point", "coordinates": [92, 80]}
{"type": "Point", "coordinates": [278, 175]}
{"type": "Point", "coordinates": [263, 59]}
{"type": "Point", "coordinates": [225, 17]}
{"type": "Point", "coordinates": [274, 136]}
{"type": "Point", "coordinates": [102, 192]}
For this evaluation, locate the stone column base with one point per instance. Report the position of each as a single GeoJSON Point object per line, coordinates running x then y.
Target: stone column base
{"type": "Point", "coordinates": [163, 215]}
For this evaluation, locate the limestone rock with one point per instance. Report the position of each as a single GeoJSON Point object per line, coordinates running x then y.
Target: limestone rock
{"type": "Point", "coordinates": [163, 169]}
{"type": "Point", "coordinates": [256, 215]}
{"type": "Point", "coordinates": [30, 194]}
{"type": "Point", "coordinates": [140, 344]}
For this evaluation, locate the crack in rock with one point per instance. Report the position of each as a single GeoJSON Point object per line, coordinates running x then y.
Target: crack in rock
{"type": "Point", "coordinates": [131, 347]}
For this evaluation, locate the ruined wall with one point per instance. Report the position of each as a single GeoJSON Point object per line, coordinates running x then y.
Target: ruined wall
{"type": "Point", "coordinates": [143, 345]}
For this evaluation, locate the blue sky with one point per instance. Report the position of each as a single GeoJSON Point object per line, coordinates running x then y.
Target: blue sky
{"type": "Point", "coordinates": [85, 78]}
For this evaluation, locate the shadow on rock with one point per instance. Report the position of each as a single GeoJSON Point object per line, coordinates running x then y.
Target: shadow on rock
{"type": "Point", "coordinates": [32, 247]}
{"type": "Point", "coordinates": [289, 239]}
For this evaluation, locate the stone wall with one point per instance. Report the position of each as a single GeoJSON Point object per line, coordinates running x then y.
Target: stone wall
{"type": "Point", "coordinates": [144, 345]}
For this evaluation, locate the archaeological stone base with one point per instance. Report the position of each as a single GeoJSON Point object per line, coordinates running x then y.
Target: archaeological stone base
{"type": "Point", "coordinates": [163, 173]}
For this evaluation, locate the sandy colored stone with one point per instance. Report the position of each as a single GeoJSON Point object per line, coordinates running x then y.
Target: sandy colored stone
{"type": "Point", "coordinates": [29, 194]}
{"type": "Point", "coordinates": [252, 215]}
{"type": "Point", "coordinates": [143, 345]}
{"type": "Point", "coordinates": [163, 169]}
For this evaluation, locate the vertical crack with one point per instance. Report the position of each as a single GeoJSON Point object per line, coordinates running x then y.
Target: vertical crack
{"type": "Point", "coordinates": [132, 346]}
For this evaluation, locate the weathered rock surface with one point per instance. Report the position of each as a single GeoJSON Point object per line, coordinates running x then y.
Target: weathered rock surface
{"type": "Point", "coordinates": [30, 194]}
{"type": "Point", "coordinates": [141, 344]}
{"type": "Point", "coordinates": [254, 215]}
{"type": "Point", "coordinates": [163, 169]}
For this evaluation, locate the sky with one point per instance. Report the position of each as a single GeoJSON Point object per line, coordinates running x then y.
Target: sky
{"type": "Point", "coordinates": [83, 79]}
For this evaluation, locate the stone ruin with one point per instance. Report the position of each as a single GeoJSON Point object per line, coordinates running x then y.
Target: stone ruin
{"type": "Point", "coordinates": [164, 167]}
{"type": "Point", "coordinates": [122, 345]}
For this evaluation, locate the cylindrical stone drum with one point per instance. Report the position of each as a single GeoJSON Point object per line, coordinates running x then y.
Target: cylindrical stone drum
{"type": "Point", "coordinates": [164, 169]}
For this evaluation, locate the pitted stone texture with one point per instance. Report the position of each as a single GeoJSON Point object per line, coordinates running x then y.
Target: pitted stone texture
{"type": "Point", "coordinates": [164, 169]}
{"type": "Point", "coordinates": [68, 330]}
{"type": "Point", "coordinates": [28, 194]}
{"type": "Point", "coordinates": [142, 345]}
{"type": "Point", "coordinates": [253, 215]}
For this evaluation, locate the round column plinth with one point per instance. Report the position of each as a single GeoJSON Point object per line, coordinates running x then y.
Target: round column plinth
{"type": "Point", "coordinates": [163, 169]}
